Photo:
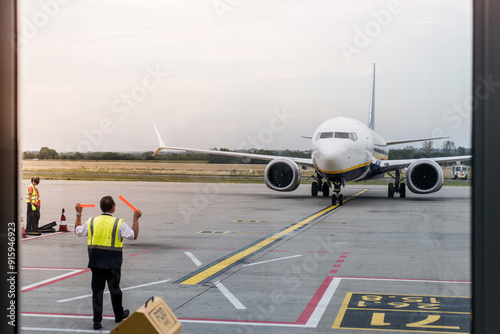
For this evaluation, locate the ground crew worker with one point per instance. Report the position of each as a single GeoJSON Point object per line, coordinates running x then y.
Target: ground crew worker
{"type": "Point", "coordinates": [33, 205]}
{"type": "Point", "coordinates": [105, 242]}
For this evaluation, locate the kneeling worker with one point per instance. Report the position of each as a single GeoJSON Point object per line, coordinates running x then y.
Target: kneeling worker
{"type": "Point", "coordinates": [105, 242]}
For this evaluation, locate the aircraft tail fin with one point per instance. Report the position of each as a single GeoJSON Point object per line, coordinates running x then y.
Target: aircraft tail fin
{"type": "Point", "coordinates": [371, 115]}
{"type": "Point", "coordinates": [161, 144]}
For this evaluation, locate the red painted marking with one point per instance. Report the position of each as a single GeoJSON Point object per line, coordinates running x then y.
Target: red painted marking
{"type": "Point", "coordinates": [308, 311]}
{"type": "Point", "coordinates": [133, 255]}
{"type": "Point", "coordinates": [340, 261]}
{"type": "Point", "coordinates": [345, 253]}
{"type": "Point", "coordinates": [337, 266]}
{"type": "Point", "coordinates": [343, 256]}
{"type": "Point", "coordinates": [333, 271]}
{"type": "Point", "coordinates": [145, 251]}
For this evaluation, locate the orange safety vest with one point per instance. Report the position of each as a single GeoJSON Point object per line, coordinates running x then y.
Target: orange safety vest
{"type": "Point", "coordinates": [34, 194]}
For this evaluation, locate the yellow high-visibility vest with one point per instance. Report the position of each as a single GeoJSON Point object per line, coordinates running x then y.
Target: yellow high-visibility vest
{"type": "Point", "coordinates": [33, 193]}
{"type": "Point", "coordinates": [103, 233]}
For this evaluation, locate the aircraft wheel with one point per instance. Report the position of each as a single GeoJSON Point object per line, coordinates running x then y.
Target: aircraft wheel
{"type": "Point", "coordinates": [334, 199]}
{"type": "Point", "coordinates": [402, 190]}
{"type": "Point", "coordinates": [390, 191]}
{"type": "Point", "coordinates": [314, 189]}
{"type": "Point", "coordinates": [326, 190]}
{"type": "Point", "coordinates": [341, 200]}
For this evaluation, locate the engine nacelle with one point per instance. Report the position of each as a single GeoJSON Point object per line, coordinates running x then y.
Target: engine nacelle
{"type": "Point", "coordinates": [282, 174]}
{"type": "Point", "coordinates": [424, 176]}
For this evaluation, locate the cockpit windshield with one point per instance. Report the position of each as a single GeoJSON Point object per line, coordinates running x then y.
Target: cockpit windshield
{"type": "Point", "coordinates": [338, 135]}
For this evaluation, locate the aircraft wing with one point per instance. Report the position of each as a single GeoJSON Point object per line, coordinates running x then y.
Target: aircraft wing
{"type": "Point", "coordinates": [299, 161]}
{"type": "Point", "coordinates": [397, 142]}
{"type": "Point", "coordinates": [392, 165]}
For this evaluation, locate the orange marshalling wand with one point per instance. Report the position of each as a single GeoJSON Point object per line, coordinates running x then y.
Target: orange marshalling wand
{"type": "Point", "coordinates": [87, 205]}
{"type": "Point", "coordinates": [127, 202]}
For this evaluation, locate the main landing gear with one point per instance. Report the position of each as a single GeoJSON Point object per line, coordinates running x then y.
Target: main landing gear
{"type": "Point", "coordinates": [318, 186]}
{"type": "Point", "coordinates": [397, 186]}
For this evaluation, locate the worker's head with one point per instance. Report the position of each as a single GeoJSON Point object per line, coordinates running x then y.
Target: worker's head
{"type": "Point", "coordinates": [35, 180]}
{"type": "Point", "coordinates": [108, 204]}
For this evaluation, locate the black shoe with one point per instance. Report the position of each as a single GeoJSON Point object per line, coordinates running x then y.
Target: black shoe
{"type": "Point", "coordinates": [124, 315]}
{"type": "Point", "coordinates": [97, 325]}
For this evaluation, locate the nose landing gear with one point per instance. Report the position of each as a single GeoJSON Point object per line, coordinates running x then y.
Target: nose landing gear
{"type": "Point", "coordinates": [324, 187]}
{"type": "Point", "coordinates": [337, 196]}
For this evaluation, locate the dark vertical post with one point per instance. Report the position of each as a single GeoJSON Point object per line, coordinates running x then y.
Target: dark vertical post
{"type": "Point", "coordinates": [9, 231]}
{"type": "Point", "coordinates": [486, 166]}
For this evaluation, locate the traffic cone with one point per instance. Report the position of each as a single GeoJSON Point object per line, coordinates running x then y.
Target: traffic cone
{"type": "Point", "coordinates": [63, 227]}
{"type": "Point", "coordinates": [24, 233]}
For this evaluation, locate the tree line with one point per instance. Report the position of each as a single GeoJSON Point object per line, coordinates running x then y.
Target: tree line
{"type": "Point", "coordinates": [426, 151]}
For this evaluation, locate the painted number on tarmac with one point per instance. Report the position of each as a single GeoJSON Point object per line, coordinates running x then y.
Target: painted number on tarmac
{"type": "Point", "coordinates": [407, 313]}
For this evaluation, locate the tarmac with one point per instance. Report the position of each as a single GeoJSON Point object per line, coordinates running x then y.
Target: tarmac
{"type": "Point", "coordinates": [240, 258]}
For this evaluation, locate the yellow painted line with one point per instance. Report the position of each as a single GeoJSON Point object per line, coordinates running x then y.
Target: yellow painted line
{"type": "Point", "coordinates": [407, 311]}
{"type": "Point", "coordinates": [201, 276]}
{"type": "Point", "coordinates": [345, 170]}
{"type": "Point", "coordinates": [343, 309]}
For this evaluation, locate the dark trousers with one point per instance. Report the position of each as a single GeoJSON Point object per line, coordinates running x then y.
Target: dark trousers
{"type": "Point", "coordinates": [99, 279]}
{"type": "Point", "coordinates": [32, 218]}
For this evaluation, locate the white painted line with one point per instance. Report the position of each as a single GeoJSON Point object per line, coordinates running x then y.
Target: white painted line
{"type": "Point", "coordinates": [236, 303]}
{"type": "Point", "coordinates": [106, 292]}
{"type": "Point", "coordinates": [43, 236]}
{"type": "Point", "coordinates": [51, 279]}
{"type": "Point", "coordinates": [404, 280]}
{"type": "Point", "coordinates": [261, 262]}
{"type": "Point", "coordinates": [242, 323]}
{"type": "Point", "coordinates": [193, 258]}
{"type": "Point", "coordinates": [63, 330]}
{"type": "Point", "coordinates": [323, 303]}
{"type": "Point", "coordinates": [146, 284]}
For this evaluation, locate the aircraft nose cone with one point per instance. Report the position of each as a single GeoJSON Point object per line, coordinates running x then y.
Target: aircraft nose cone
{"type": "Point", "coordinates": [329, 158]}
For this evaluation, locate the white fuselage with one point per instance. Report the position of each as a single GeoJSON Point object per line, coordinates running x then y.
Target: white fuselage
{"type": "Point", "coordinates": [344, 148]}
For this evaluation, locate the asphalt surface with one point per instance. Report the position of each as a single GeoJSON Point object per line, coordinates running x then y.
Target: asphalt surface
{"type": "Point", "coordinates": [233, 258]}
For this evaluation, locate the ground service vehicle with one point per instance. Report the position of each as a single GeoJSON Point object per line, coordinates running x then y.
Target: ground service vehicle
{"type": "Point", "coordinates": [459, 172]}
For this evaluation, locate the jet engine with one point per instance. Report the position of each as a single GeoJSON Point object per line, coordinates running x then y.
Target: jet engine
{"type": "Point", "coordinates": [424, 176]}
{"type": "Point", "coordinates": [282, 174]}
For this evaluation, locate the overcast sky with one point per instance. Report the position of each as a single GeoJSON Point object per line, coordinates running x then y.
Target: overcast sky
{"type": "Point", "coordinates": [95, 75]}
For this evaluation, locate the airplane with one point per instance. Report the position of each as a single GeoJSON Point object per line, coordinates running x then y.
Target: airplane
{"type": "Point", "coordinates": [345, 149]}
